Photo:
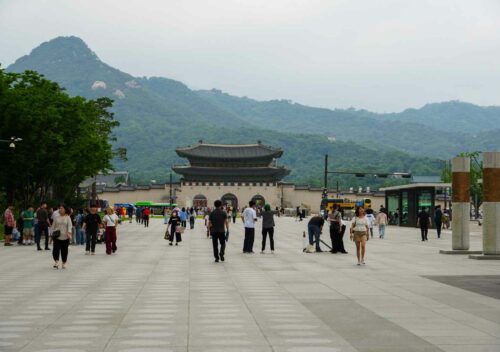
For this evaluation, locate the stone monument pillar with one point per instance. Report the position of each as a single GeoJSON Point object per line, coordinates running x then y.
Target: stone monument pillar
{"type": "Point", "coordinates": [491, 203]}
{"type": "Point", "coordinates": [460, 168]}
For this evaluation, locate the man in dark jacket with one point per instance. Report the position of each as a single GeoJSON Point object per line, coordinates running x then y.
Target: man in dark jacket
{"type": "Point", "coordinates": [217, 226]}
{"type": "Point", "coordinates": [438, 220]}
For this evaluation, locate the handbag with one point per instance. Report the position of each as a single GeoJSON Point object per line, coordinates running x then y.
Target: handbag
{"type": "Point", "coordinates": [167, 235]}
{"type": "Point", "coordinates": [179, 229]}
{"type": "Point", "coordinates": [55, 234]}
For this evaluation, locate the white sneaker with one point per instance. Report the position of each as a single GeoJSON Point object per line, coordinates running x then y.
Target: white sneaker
{"type": "Point", "coordinates": [87, 252]}
{"type": "Point", "coordinates": [272, 252]}
{"type": "Point", "coordinates": [363, 262]}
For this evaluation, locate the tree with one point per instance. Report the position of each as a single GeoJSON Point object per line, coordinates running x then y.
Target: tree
{"type": "Point", "coordinates": [65, 139]}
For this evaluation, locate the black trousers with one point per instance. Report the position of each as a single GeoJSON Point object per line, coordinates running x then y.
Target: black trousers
{"type": "Point", "coordinates": [265, 232]}
{"type": "Point", "coordinates": [43, 227]}
{"type": "Point", "coordinates": [234, 219]}
{"type": "Point", "coordinates": [424, 230]}
{"type": "Point", "coordinates": [249, 238]}
{"type": "Point", "coordinates": [183, 223]}
{"type": "Point", "coordinates": [146, 220]}
{"type": "Point", "coordinates": [337, 238]}
{"type": "Point", "coordinates": [90, 240]}
{"type": "Point", "coordinates": [439, 225]}
{"type": "Point", "coordinates": [60, 246]}
{"type": "Point", "coordinates": [191, 222]}
{"type": "Point", "coordinates": [219, 237]}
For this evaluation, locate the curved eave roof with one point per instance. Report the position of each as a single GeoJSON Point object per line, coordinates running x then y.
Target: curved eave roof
{"type": "Point", "coordinates": [229, 151]}
{"type": "Point", "coordinates": [219, 171]}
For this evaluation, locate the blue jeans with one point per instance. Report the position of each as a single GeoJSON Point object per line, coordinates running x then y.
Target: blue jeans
{"type": "Point", "coordinates": [314, 233]}
{"type": "Point", "coordinates": [381, 230]}
{"type": "Point", "coordinates": [80, 235]}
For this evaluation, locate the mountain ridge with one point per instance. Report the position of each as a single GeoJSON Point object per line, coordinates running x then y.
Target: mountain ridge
{"type": "Point", "coordinates": [158, 114]}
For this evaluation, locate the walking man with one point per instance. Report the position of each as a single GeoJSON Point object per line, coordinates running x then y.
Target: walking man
{"type": "Point", "coordinates": [249, 217]}
{"type": "Point", "coordinates": [438, 220]}
{"type": "Point", "coordinates": [424, 221]}
{"type": "Point", "coordinates": [145, 216]}
{"type": "Point", "coordinates": [42, 216]}
{"type": "Point", "coordinates": [91, 226]}
{"type": "Point", "coordinates": [218, 225]}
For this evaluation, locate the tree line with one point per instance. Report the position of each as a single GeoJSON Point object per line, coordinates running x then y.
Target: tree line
{"type": "Point", "coordinates": [64, 139]}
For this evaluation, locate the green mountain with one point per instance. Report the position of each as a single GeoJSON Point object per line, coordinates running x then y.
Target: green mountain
{"type": "Point", "coordinates": [159, 114]}
{"type": "Point", "coordinates": [440, 130]}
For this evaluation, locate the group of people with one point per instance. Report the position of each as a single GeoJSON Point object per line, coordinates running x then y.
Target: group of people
{"type": "Point", "coordinates": [61, 226]}
{"type": "Point", "coordinates": [441, 220]}
{"type": "Point", "coordinates": [361, 229]}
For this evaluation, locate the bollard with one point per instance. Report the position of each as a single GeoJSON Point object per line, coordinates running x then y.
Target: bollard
{"type": "Point", "coordinates": [460, 168]}
{"type": "Point", "coordinates": [491, 203]}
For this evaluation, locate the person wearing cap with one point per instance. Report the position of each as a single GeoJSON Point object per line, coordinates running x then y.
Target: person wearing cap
{"type": "Point", "coordinates": [91, 225]}
{"type": "Point", "coordinates": [267, 228]}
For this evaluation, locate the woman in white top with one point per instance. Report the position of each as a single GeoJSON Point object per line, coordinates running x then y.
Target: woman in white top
{"type": "Point", "coordinates": [61, 235]}
{"type": "Point", "coordinates": [359, 233]}
{"type": "Point", "coordinates": [110, 221]}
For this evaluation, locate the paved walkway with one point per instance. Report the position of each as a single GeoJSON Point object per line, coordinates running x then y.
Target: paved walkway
{"type": "Point", "coordinates": [152, 297]}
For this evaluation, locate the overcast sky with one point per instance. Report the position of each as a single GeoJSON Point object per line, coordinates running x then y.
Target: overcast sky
{"type": "Point", "coordinates": [383, 55]}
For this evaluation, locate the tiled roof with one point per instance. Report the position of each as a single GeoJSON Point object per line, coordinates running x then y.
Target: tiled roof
{"type": "Point", "coordinates": [229, 151]}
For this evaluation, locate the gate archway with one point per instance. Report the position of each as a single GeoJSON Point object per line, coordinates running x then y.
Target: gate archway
{"type": "Point", "coordinates": [200, 201]}
{"type": "Point", "coordinates": [259, 200]}
{"type": "Point", "coordinates": [229, 200]}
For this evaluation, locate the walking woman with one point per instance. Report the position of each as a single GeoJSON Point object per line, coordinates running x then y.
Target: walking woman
{"type": "Point", "coordinates": [267, 228]}
{"type": "Point", "coordinates": [359, 233]}
{"type": "Point", "coordinates": [110, 221]}
{"type": "Point", "coordinates": [61, 235]}
{"type": "Point", "coordinates": [192, 217]}
{"type": "Point", "coordinates": [175, 228]}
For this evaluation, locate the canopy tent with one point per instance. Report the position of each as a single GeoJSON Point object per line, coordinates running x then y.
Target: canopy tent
{"type": "Point", "coordinates": [154, 205]}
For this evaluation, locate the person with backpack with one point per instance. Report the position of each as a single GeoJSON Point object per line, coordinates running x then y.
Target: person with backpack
{"type": "Point", "coordinates": [381, 220]}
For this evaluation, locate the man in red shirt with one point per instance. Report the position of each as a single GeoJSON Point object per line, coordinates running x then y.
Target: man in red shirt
{"type": "Point", "coordinates": [145, 215]}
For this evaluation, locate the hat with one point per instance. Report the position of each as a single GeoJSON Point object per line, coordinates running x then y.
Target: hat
{"type": "Point", "coordinates": [267, 207]}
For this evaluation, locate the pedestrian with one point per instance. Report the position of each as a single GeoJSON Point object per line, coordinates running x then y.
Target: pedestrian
{"type": "Point", "coordinates": [234, 214]}
{"type": "Point", "coordinates": [192, 217]}
{"type": "Point", "coordinates": [145, 216]}
{"type": "Point", "coordinates": [91, 225]}
{"type": "Point", "coordinates": [206, 218]}
{"type": "Point", "coordinates": [183, 215]}
{"type": "Point", "coordinates": [381, 220]}
{"type": "Point", "coordinates": [371, 220]}
{"type": "Point", "coordinates": [79, 233]}
{"type": "Point", "coordinates": [298, 216]}
{"type": "Point", "coordinates": [175, 228]}
{"type": "Point", "coordinates": [314, 229]}
{"type": "Point", "coordinates": [359, 233]}
{"type": "Point", "coordinates": [165, 216]}
{"type": "Point", "coordinates": [438, 220]}
{"type": "Point", "coordinates": [130, 213]}
{"type": "Point", "coordinates": [336, 230]}
{"type": "Point", "coordinates": [249, 217]}
{"type": "Point", "coordinates": [138, 213]}
{"type": "Point", "coordinates": [42, 216]}
{"type": "Point", "coordinates": [424, 222]}
{"type": "Point", "coordinates": [9, 222]}
{"type": "Point", "coordinates": [267, 228]}
{"type": "Point", "coordinates": [218, 224]}
{"type": "Point", "coordinates": [110, 221]}
{"type": "Point", "coordinates": [28, 216]}
{"type": "Point", "coordinates": [61, 236]}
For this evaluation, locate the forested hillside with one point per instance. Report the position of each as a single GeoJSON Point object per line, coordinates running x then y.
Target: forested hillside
{"type": "Point", "coordinates": [158, 114]}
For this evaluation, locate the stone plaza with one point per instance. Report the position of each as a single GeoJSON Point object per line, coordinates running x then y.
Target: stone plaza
{"type": "Point", "coordinates": [153, 297]}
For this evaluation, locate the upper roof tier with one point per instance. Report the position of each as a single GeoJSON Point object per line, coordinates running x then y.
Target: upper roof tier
{"type": "Point", "coordinates": [229, 151]}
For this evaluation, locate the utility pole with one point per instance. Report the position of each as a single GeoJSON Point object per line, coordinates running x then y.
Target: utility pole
{"type": "Point", "coordinates": [326, 172]}
{"type": "Point", "coordinates": [170, 184]}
